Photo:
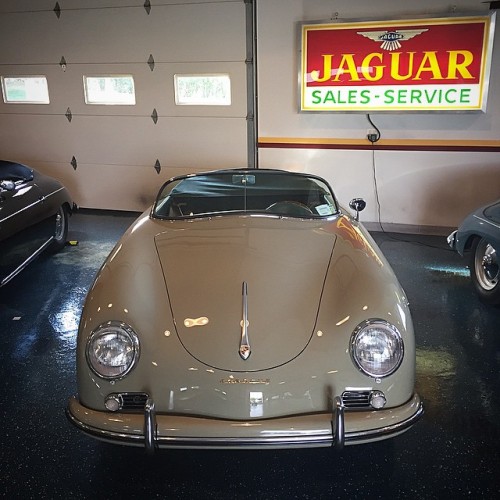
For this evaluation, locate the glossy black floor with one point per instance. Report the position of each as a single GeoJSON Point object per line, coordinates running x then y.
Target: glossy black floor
{"type": "Point", "coordinates": [453, 452]}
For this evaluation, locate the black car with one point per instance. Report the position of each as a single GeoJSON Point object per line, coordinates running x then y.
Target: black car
{"type": "Point", "coordinates": [34, 211]}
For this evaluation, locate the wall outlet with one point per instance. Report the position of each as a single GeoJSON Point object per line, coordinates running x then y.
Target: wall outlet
{"type": "Point", "coordinates": [372, 135]}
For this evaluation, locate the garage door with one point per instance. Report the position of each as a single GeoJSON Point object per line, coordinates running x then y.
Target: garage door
{"type": "Point", "coordinates": [135, 93]}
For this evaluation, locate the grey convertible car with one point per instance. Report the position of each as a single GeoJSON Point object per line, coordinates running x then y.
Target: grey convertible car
{"type": "Point", "coordinates": [34, 211]}
{"type": "Point", "coordinates": [479, 236]}
{"type": "Point", "coordinates": [246, 308]}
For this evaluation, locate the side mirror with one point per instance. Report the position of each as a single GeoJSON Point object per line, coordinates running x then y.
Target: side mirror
{"type": "Point", "coordinates": [358, 205]}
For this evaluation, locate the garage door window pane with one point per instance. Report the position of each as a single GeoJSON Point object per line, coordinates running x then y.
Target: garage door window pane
{"type": "Point", "coordinates": [202, 90]}
{"type": "Point", "coordinates": [25, 89]}
{"type": "Point", "coordinates": [115, 89]}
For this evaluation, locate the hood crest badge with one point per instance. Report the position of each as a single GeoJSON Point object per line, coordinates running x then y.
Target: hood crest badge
{"type": "Point", "coordinates": [245, 349]}
{"type": "Point", "coordinates": [190, 322]}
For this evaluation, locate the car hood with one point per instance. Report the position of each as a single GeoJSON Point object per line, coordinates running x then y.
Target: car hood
{"type": "Point", "coordinates": [215, 269]}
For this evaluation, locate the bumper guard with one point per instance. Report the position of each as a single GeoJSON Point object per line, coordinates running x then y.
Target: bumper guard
{"type": "Point", "coordinates": [153, 431]}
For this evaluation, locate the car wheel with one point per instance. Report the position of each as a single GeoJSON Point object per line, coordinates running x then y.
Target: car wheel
{"type": "Point", "coordinates": [485, 271]}
{"type": "Point", "coordinates": [60, 230]}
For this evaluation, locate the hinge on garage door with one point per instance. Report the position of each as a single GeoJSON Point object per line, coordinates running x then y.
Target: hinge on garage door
{"type": "Point", "coordinates": [57, 10]}
{"type": "Point", "coordinates": [151, 62]}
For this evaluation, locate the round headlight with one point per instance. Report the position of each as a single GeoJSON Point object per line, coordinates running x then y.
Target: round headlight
{"type": "Point", "coordinates": [112, 350]}
{"type": "Point", "coordinates": [377, 348]}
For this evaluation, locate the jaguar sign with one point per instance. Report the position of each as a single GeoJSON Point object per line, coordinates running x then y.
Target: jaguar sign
{"type": "Point", "coordinates": [438, 64]}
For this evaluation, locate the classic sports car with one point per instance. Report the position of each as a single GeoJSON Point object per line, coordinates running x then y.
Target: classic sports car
{"type": "Point", "coordinates": [479, 236]}
{"type": "Point", "coordinates": [34, 211]}
{"type": "Point", "coordinates": [245, 309]}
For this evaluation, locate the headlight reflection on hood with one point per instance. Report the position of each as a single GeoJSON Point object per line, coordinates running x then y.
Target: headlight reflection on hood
{"type": "Point", "coordinates": [112, 350]}
{"type": "Point", "coordinates": [377, 348]}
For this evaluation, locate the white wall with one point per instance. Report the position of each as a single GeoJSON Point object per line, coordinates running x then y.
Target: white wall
{"type": "Point", "coordinates": [419, 189]}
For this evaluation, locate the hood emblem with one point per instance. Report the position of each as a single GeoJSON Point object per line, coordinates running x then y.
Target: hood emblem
{"type": "Point", "coordinates": [249, 381]}
{"type": "Point", "coordinates": [190, 322]}
{"type": "Point", "coordinates": [245, 349]}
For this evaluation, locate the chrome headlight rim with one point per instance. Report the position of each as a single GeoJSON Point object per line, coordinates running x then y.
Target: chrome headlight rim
{"type": "Point", "coordinates": [104, 329]}
{"type": "Point", "coordinates": [388, 327]}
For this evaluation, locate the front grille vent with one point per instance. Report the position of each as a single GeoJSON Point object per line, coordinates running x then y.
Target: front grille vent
{"type": "Point", "coordinates": [356, 399]}
{"type": "Point", "coordinates": [133, 401]}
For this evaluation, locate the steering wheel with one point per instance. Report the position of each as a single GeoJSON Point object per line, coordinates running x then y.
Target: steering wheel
{"type": "Point", "coordinates": [289, 208]}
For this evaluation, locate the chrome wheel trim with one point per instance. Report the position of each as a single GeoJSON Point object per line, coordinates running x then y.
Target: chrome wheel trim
{"type": "Point", "coordinates": [486, 266]}
{"type": "Point", "coordinates": [60, 224]}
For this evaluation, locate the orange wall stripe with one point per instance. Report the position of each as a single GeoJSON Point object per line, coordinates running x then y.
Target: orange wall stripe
{"type": "Point", "coordinates": [382, 144]}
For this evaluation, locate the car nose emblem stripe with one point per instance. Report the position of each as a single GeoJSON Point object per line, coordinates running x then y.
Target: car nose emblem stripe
{"type": "Point", "coordinates": [245, 350]}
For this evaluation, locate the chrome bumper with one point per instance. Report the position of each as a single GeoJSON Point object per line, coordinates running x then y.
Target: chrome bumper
{"type": "Point", "coordinates": [151, 430]}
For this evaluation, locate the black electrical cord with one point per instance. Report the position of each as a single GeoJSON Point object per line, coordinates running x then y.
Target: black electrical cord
{"type": "Point", "coordinates": [377, 199]}
{"type": "Point", "coordinates": [374, 138]}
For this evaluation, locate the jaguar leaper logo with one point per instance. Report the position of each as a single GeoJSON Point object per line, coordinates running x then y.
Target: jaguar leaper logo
{"type": "Point", "coordinates": [391, 40]}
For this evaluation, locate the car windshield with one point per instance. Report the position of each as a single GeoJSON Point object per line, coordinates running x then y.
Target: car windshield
{"type": "Point", "coordinates": [255, 191]}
